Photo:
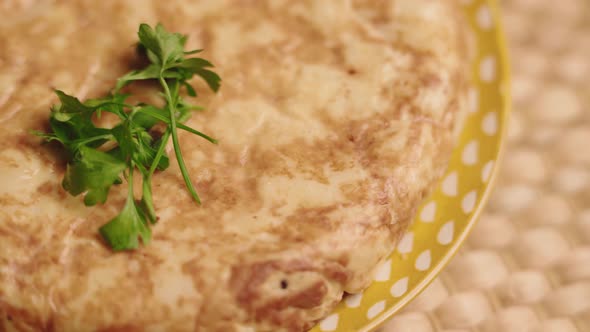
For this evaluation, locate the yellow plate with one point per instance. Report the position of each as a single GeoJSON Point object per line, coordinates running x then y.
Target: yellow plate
{"type": "Point", "coordinates": [446, 217]}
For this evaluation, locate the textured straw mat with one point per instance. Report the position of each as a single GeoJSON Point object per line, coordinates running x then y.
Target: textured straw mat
{"type": "Point", "coordinates": [526, 265]}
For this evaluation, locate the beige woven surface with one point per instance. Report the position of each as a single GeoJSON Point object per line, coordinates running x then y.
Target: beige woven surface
{"type": "Point", "coordinates": [526, 265]}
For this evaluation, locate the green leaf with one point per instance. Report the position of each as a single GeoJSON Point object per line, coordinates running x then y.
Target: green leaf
{"type": "Point", "coordinates": [79, 130]}
{"type": "Point", "coordinates": [194, 64]}
{"type": "Point", "coordinates": [167, 47]}
{"type": "Point", "coordinates": [116, 100]}
{"type": "Point", "coordinates": [187, 68]}
{"type": "Point", "coordinates": [146, 152]}
{"type": "Point", "coordinates": [150, 72]}
{"type": "Point", "coordinates": [113, 103]}
{"type": "Point", "coordinates": [63, 131]}
{"type": "Point", "coordinates": [71, 122]}
{"type": "Point", "coordinates": [147, 202]}
{"type": "Point", "coordinates": [124, 231]}
{"type": "Point", "coordinates": [149, 39]}
{"type": "Point", "coordinates": [124, 137]}
{"type": "Point", "coordinates": [193, 52]}
{"type": "Point", "coordinates": [198, 133]}
{"type": "Point", "coordinates": [152, 57]}
{"type": "Point", "coordinates": [93, 172]}
{"type": "Point", "coordinates": [185, 110]}
{"type": "Point", "coordinates": [154, 113]}
{"type": "Point", "coordinates": [211, 78]}
{"type": "Point", "coordinates": [70, 105]}
{"type": "Point", "coordinates": [190, 90]}
{"type": "Point", "coordinates": [143, 116]}
{"type": "Point", "coordinates": [45, 136]}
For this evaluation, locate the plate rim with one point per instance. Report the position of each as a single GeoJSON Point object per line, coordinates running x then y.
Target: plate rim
{"type": "Point", "coordinates": [506, 114]}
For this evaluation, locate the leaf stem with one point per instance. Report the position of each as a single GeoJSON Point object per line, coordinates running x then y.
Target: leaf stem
{"type": "Point", "coordinates": [130, 196]}
{"type": "Point", "coordinates": [177, 151]}
{"type": "Point", "coordinates": [147, 178]}
{"type": "Point", "coordinates": [159, 153]}
{"type": "Point", "coordinates": [92, 139]}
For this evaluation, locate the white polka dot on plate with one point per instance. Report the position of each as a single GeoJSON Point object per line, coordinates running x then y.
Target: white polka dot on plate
{"type": "Point", "coordinates": [406, 243]}
{"type": "Point", "coordinates": [450, 184]}
{"type": "Point", "coordinates": [487, 69]}
{"type": "Point", "coordinates": [384, 271]}
{"type": "Point", "coordinates": [484, 18]}
{"type": "Point", "coordinates": [354, 301]}
{"type": "Point", "coordinates": [468, 202]}
{"type": "Point", "coordinates": [400, 287]}
{"type": "Point", "coordinates": [423, 261]}
{"type": "Point", "coordinates": [329, 323]}
{"type": "Point", "coordinates": [446, 233]}
{"type": "Point", "coordinates": [489, 124]}
{"type": "Point", "coordinates": [486, 171]}
{"type": "Point", "coordinates": [470, 153]}
{"type": "Point", "coordinates": [428, 212]}
{"type": "Point", "coordinates": [376, 309]}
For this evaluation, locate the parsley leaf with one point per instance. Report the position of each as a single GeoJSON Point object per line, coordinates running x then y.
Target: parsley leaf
{"type": "Point", "coordinates": [151, 72]}
{"type": "Point", "coordinates": [92, 172]}
{"type": "Point", "coordinates": [167, 47]}
{"type": "Point", "coordinates": [102, 157]}
{"type": "Point", "coordinates": [123, 231]}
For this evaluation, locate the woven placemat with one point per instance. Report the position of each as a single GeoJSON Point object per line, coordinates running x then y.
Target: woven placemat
{"type": "Point", "coordinates": [526, 265]}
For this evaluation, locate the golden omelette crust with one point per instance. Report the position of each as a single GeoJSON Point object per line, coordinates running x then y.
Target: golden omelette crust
{"type": "Point", "coordinates": [335, 118]}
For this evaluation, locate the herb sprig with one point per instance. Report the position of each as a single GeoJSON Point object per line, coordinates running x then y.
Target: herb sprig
{"type": "Point", "coordinates": [102, 157]}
